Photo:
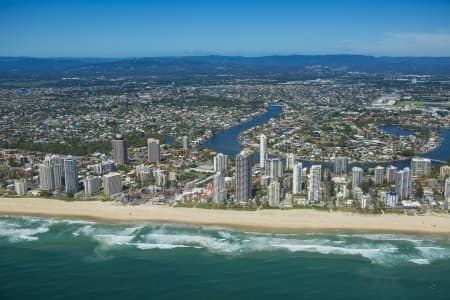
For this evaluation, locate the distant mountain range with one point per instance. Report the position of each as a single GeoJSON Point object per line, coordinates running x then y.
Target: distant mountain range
{"type": "Point", "coordinates": [27, 67]}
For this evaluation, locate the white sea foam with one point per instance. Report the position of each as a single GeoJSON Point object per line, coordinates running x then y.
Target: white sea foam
{"type": "Point", "coordinates": [113, 239]}
{"type": "Point", "coordinates": [420, 261]}
{"type": "Point", "coordinates": [208, 242]}
{"type": "Point", "coordinates": [147, 246]}
{"type": "Point", "coordinates": [382, 237]}
{"type": "Point", "coordinates": [15, 234]}
{"type": "Point", "coordinates": [433, 253]}
{"type": "Point", "coordinates": [375, 255]}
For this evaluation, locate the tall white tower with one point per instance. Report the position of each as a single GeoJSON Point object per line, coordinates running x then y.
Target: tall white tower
{"type": "Point", "coordinates": [297, 178]}
{"type": "Point", "coordinates": [262, 151]}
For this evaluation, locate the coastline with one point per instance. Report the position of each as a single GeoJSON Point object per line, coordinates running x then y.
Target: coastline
{"type": "Point", "coordinates": [276, 221]}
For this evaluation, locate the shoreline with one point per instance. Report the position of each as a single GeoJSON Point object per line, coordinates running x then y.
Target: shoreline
{"type": "Point", "coordinates": [272, 221]}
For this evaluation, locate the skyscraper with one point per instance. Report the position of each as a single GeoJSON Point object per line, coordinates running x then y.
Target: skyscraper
{"type": "Point", "coordinates": [391, 173]}
{"type": "Point", "coordinates": [420, 167]}
{"type": "Point", "coordinates": [262, 151]}
{"type": "Point", "coordinates": [297, 178]}
{"type": "Point", "coordinates": [340, 165]}
{"type": "Point", "coordinates": [403, 183]}
{"type": "Point", "coordinates": [379, 175]}
{"type": "Point", "coordinates": [314, 189]}
{"type": "Point", "coordinates": [51, 173]}
{"type": "Point", "coordinates": [290, 161]}
{"type": "Point", "coordinates": [274, 193]}
{"type": "Point", "coordinates": [112, 183]}
{"type": "Point", "coordinates": [219, 193]}
{"type": "Point", "coordinates": [274, 168]}
{"type": "Point", "coordinates": [70, 175]}
{"type": "Point", "coordinates": [119, 150]}
{"type": "Point", "coordinates": [220, 163]}
{"type": "Point", "coordinates": [154, 154]}
{"type": "Point", "coordinates": [357, 176]}
{"type": "Point", "coordinates": [243, 177]}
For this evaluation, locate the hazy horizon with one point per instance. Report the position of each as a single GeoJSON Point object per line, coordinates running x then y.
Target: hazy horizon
{"type": "Point", "coordinates": [135, 29]}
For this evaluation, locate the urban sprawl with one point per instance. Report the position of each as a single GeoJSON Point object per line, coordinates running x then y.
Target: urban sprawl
{"type": "Point", "coordinates": [141, 142]}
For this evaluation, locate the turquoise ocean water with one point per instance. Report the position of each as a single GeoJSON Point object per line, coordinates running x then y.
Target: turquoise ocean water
{"type": "Point", "coordinates": [43, 258]}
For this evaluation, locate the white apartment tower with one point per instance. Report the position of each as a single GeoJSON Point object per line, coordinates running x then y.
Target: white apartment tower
{"type": "Point", "coordinates": [297, 178]}
{"type": "Point", "coordinates": [262, 151]}
{"type": "Point", "coordinates": [314, 189]}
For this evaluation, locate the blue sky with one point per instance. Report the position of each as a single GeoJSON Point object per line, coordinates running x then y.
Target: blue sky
{"type": "Point", "coordinates": [100, 28]}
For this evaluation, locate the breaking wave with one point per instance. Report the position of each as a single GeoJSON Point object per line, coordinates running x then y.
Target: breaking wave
{"type": "Point", "coordinates": [382, 249]}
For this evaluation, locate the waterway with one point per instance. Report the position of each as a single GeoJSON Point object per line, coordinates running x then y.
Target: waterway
{"type": "Point", "coordinates": [227, 142]}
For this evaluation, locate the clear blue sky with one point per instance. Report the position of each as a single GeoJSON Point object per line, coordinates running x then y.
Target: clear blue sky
{"type": "Point", "coordinates": [100, 28]}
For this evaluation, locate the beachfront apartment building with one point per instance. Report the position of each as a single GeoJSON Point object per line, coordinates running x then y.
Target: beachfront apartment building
{"type": "Point", "coordinates": [219, 192]}
{"type": "Point", "coordinates": [243, 166]}
{"type": "Point", "coordinates": [314, 188]}
{"type": "Point", "coordinates": [70, 175]}
{"type": "Point", "coordinates": [274, 193]}
{"type": "Point", "coordinates": [92, 185]}
{"type": "Point", "coordinates": [297, 178]}
{"type": "Point", "coordinates": [403, 183]}
{"type": "Point", "coordinates": [51, 173]}
{"type": "Point", "coordinates": [112, 183]}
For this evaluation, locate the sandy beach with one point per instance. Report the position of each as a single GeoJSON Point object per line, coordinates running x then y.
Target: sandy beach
{"type": "Point", "coordinates": [296, 220]}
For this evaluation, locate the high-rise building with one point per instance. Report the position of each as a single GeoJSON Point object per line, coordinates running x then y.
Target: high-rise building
{"type": "Point", "coordinates": [120, 150]}
{"type": "Point", "coordinates": [71, 175]}
{"type": "Point", "coordinates": [92, 185]}
{"type": "Point", "coordinates": [297, 178]}
{"type": "Point", "coordinates": [357, 176]}
{"type": "Point", "coordinates": [103, 167]}
{"type": "Point", "coordinates": [262, 151]}
{"type": "Point", "coordinates": [20, 187]}
{"type": "Point", "coordinates": [420, 167]}
{"type": "Point", "coordinates": [112, 183]}
{"type": "Point", "coordinates": [160, 178]}
{"type": "Point", "coordinates": [391, 173]}
{"type": "Point", "coordinates": [444, 171]}
{"type": "Point", "coordinates": [340, 165]}
{"type": "Point", "coordinates": [379, 175]}
{"type": "Point", "coordinates": [274, 168]}
{"type": "Point", "coordinates": [403, 183]}
{"type": "Point", "coordinates": [51, 173]}
{"type": "Point", "coordinates": [390, 199]}
{"type": "Point", "coordinates": [274, 193]}
{"type": "Point", "coordinates": [447, 190]}
{"type": "Point", "coordinates": [314, 188]}
{"type": "Point", "coordinates": [143, 173]}
{"type": "Point", "coordinates": [220, 163]}
{"type": "Point", "coordinates": [185, 143]}
{"type": "Point", "coordinates": [290, 161]}
{"type": "Point", "coordinates": [219, 192]}
{"type": "Point", "coordinates": [243, 177]}
{"type": "Point", "coordinates": [154, 154]}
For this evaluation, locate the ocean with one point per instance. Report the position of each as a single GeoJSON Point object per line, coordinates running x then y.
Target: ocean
{"type": "Point", "coordinates": [50, 258]}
